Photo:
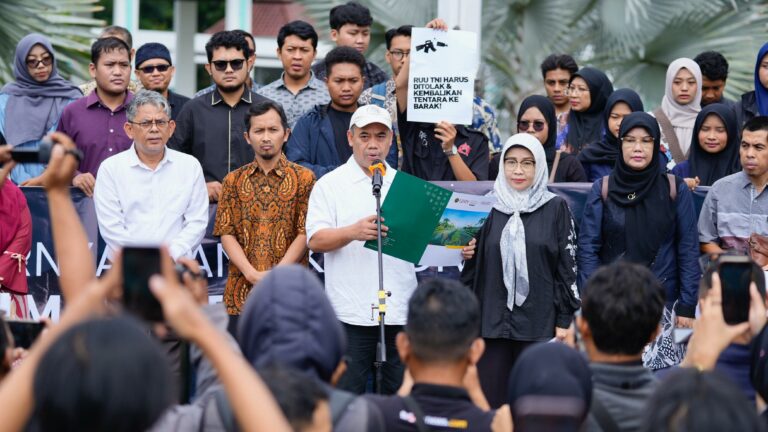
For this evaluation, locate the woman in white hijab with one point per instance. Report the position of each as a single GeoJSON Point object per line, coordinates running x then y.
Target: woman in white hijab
{"type": "Point", "coordinates": [679, 108]}
{"type": "Point", "coordinates": [521, 264]}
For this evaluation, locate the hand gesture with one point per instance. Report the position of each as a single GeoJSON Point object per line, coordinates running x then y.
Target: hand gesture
{"type": "Point", "coordinates": [365, 229]}
{"type": "Point", "coordinates": [468, 251]}
{"type": "Point", "coordinates": [446, 133]}
{"type": "Point", "coordinates": [62, 165]}
{"type": "Point", "coordinates": [86, 182]}
{"type": "Point", "coordinates": [437, 24]}
{"type": "Point", "coordinates": [214, 191]}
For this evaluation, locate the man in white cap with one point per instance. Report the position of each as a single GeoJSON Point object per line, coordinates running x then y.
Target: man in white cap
{"type": "Point", "coordinates": [341, 217]}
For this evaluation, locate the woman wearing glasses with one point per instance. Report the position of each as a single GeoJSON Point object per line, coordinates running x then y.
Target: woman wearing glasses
{"type": "Point", "coordinates": [599, 158]}
{"type": "Point", "coordinates": [639, 214]}
{"type": "Point", "coordinates": [521, 264]}
{"type": "Point", "coordinates": [31, 106]}
{"type": "Point", "coordinates": [536, 116]}
{"type": "Point", "coordinates": [588, 92]}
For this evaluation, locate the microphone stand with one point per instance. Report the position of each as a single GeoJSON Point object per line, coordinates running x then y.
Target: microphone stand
{"type": "Point", "coordinates": [381, 351]}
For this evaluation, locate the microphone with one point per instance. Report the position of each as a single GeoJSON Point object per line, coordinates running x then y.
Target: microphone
{"type": "Point", "coordinates": [378, 171]}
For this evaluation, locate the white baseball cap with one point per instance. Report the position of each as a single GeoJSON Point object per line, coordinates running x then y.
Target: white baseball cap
{"type": "Point", "coordinates": [368, 114]}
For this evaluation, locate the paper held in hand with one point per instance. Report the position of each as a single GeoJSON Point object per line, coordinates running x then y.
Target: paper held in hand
{"type": "Point", "coordinates": [441, 82]}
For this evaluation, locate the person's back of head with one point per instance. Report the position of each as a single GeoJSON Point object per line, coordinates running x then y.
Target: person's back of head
{"type": "Point", "coordinates": [690, 400]}
{"type": "Point", "coordinates": [102, 375]}
{"type": "Point", "coordinates": [288, 320]}
{"type": "Point", "coordinates": [621, 306]}
{"type": "Point", "coordinates": [350, 13]}
{"type": "Point", "coordinates": [443, 323]}
{"type": "Point", "coordinates": [713, 65]}
{"type": "Point", "coordinates": [119, 32]}
{"type": "Point", "coordinates": [301, 398]}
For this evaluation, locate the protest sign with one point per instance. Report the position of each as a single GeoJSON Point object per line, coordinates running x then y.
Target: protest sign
{"type": "Point", "coordinates": [441, 80]}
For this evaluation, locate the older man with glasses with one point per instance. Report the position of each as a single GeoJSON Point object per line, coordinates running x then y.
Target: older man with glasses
{"type": "Point", "coordinates": [150, 194]}
{"type": "Point", "coordinates": [210, 126]}
{"type": "Point", "coordinates": [155, 70]}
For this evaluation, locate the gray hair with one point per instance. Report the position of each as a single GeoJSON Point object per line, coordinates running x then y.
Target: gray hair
{"type": "Point", "coordinates": [147, 97]}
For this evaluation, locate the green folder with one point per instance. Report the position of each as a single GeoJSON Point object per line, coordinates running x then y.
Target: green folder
{"type": "Point", "coordinates": [411, 210]}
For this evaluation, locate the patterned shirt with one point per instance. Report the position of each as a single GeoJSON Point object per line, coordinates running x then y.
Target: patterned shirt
{"type": "Point", "coordinates": [484, 120]}
{"type": "Point", "coordinates": [265, 213]}
{"type": "Point", "coordinates": [296, 105]}
{"type": "Point", "coordinates": [732, 211]}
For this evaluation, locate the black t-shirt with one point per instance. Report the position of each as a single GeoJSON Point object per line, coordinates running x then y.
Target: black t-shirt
{"type": "Point", "coordinates": [445, 409]}
{"type": "Point", "coordinates": [340, 124]}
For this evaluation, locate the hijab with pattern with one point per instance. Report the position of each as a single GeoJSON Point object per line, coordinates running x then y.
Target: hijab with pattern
{"type": "Point", "coordinates": [608, 149]}
{"type": "Point", "coordinates": [682, 117]}
{"type": "Point", "coordinates": [711, 167]}
{"type": "Point", "coordinates": [513, 203]}
{"type": "Point", "coordinates": [33, 107]}
{"type": "Point", "coordinates": [547, 109]}
{"type": "Point", "coordinates": [644, 194]}
{"type": "Point", "coordinates": [587, 127]}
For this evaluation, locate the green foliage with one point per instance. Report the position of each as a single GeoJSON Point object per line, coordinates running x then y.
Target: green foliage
{"type": "Point", "coordinates": [64, 22]}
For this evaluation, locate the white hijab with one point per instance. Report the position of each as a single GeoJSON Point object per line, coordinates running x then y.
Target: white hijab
{"type": "Point", "coordinates": [682, 117]}
{"type": "Point", "coordinates": [513, 203]}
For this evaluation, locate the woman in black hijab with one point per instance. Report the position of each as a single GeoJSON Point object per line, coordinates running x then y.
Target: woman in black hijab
{"type": "Point", "coordinates": [547, 373]}
{"type": "Point", "coordinates": [599, 158]}
{"type": "Point", "coordinates": [536, 116]}
{"type": "Point", "coordinates": [714, 147]}
{"type": "Point", "coordinates": [588, 92]}
{"type": "Point", "coordinates": [642, 215]}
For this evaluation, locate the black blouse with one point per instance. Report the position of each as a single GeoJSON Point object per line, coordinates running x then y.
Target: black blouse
{"type": "Point", "coordinates": [550, 241]}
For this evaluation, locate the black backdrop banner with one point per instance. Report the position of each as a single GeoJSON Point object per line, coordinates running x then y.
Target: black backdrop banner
{"type": "Point", "coordinates": [42, 266]}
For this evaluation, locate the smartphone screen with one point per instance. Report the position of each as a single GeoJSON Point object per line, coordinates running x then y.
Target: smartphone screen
{"type": "Point", "coordinates": [735, 278]}
{"type": "Point", "coordinates": [25, 332]}
{"type": "Point", "coordinates": [139, 264]}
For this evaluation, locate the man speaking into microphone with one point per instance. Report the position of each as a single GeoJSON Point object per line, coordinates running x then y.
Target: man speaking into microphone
{"type": "Point", "coordinates": [340, 219]}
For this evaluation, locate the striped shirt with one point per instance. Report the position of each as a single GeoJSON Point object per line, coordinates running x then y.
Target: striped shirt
{"type": "Point", "coordinates": [732, 210]}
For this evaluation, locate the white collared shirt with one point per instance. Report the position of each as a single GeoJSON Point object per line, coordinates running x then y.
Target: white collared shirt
{"type": "Point", "coordinates": [136, 205]}
{"type": "Point", "coordinates": [341, 198]}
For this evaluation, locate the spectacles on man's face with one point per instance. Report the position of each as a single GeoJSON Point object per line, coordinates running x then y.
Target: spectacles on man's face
{"type": "Point", "coordinates": [524, 125]}
{"type": "Point", "coordinates": [34, 63]}
{"type": "Point", "coordinates": [151, 68]}
{"type": "Point", "coordinates": [147, 125]}
{"type": "Point", "coordinates": [221, 65]}
{"type": "Point", "coordinates": [630, 141]}
{"type": "Point", "coordinates": [398, 54]}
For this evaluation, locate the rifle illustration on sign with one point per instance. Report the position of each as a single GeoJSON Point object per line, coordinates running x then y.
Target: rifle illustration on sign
{"type": "Point", "coordinates": [428, 46]}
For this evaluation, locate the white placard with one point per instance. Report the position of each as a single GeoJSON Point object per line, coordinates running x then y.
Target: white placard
{"type": "Point", "coordinates": [441, 81]}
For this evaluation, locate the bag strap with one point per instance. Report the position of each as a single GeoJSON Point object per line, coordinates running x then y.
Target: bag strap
{"type": "Point", "coordinates": [669, 134]}
{"type": "Point", "coordinates": [554, 166]}
{"type": "Point", "coordinates": [604, 188]}
{"type": "Point", "coordinates": [603, 417]}
{"type": "Point", "coordinates": [414, 408]}
{"type": "Point", "coordinates": [672, 187]}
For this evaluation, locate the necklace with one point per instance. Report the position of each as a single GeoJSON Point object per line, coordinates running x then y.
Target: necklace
{"type": "Point", "coordinates": [631, 196]}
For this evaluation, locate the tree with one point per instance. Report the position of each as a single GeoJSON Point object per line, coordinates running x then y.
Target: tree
{"type": "Point", "coordinates": [64, 22]}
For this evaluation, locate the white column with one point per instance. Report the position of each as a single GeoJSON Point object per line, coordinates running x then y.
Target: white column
{"type": "Point", "coordinates": [239, 15]}
{"type": "Point", "coordinates": [467, 14]}
{"type": "Point", "coordinates": [126, 14]}
{"type": "Point", "coordinates": [185, 26]}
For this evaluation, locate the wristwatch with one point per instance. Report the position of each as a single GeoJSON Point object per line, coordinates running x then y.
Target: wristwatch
{"type": "Point", "coordinates": [452, 151]}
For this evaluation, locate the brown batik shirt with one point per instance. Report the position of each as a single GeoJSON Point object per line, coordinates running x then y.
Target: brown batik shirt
{"type": "Point", "coordinates": [265, 213]}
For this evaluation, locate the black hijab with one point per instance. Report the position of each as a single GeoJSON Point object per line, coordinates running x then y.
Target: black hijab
{"type": "Point", "coordinates": [547, 109]}
{"type": "Point", "coordinates": [550, 370]}
{"type": "Point", "coordinates": [606, 150]}
{"type": "Point", "coordinates": [649, 210]}
{"type": "Point", "coordinates": [587, 127]}
{"type": "Point", "coordinates": [711, 167]}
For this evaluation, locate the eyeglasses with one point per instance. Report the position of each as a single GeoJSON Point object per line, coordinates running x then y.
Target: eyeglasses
{"type": "Point", "coordinates": [573, 91]}
{"type": "Point", "coordinates": [160, 68]}
{"type": "Point", "coordinates": [221, 65]}
{"type": "Point", "coordinates": [398, 55]}
{"type": "Point", "coordinates": [147, 125]}
{"type": "Point", "coordinates": [524, 125]}
{"type": "Point", "coordinates": [632, 141]}
{"type": "Point", "coordinates": [528, 165]}
{"type": "Point", "coordinates": [34, 63]}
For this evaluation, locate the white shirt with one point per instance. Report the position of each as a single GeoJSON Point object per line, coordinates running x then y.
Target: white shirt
{"type": "Point", "coordinates": [136, 205]}
{"type": "Point", "coordinates": [341, 198]}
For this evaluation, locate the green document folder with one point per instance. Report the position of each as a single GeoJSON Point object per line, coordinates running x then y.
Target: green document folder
{"type": "Point", "coordinates": [411, 210]}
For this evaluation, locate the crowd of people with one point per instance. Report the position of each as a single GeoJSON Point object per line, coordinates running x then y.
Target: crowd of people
{"type": "Point", "coordinates": [556, 323]}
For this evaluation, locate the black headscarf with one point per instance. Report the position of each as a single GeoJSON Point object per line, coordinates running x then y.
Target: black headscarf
{"type": "Point", "coordinates": [548, 111]}
{"type": "Point", "coordinates": [553, 370]}
{"type": "Point", "coordinates": [711, 167]}
{"type": "Point", "coordinates": [650, 212]}
{"type": "Point", "coordinates": [606, 150]}
{"type": "Point", "coordinates": [587, 127]}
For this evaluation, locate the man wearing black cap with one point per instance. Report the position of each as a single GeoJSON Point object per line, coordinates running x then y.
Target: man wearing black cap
{"type": "Point", "coordinates": [155, 70]}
